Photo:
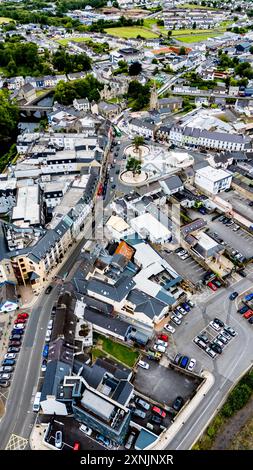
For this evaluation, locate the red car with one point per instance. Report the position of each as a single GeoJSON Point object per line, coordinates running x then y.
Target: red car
{"type": "Point", "coordinates": [160, 412]}
{"type": "Point", "coordinates": [163, 337]}
{"type": "Point", "coordinates": [248, 314]}
{"type": "Point", "coordinates": [23, 315]}
{"type": "Point", "coordinates": [19, 320]}
{"type": "Point", "coordinates": [76, 446]}
{"type": "Point", "coordinates": [212, 286]}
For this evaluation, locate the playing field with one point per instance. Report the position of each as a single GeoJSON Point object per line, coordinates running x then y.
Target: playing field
{"type": "Point", "coordinates": [3, 19]}
{"type": "Point", "coordinates": [64, 42]}
{"type": "Point", "coordinates": [131, 32]}
{"type": "Point", "coordinates": [195, 38]}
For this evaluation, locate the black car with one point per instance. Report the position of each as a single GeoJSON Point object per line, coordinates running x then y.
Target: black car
{"type": "Point", "coordinates": [15, 337]}
{"type": "Point", "coordinates": [216, 348]}
{"type": "Point", "coordinates": [250, 320]}
{"type": "Point", "coordinates": [156, 419]}
{"type": "Point", "coordinates": [242, 273]}
{"type": "Point", "coordinates": [204, 337]}
{"type": "Point", "coordinates": [13, 349]}
{"type": "Point", "coordinates": [48, 289]}
{"type": "Point", "coordinates": [177, 358]}
{"type": "Point", "coordinates": [219, 322]}
{"type": "Point", "coordinates": [233, 295]}
{"type": "Point", "coordinates": [178, 403]}
{"type": "Point", "coordinates": [225, 220]}
{"type": "Point", "coordinates": [4, 383]}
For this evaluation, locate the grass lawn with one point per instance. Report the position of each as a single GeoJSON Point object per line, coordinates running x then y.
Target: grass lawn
{"type": "Point", "coordinates": [116, 350]}
{"type": "Point", "coordinates": [4, 19]}
{"type": "Point", "coordinates": [131, 32]}
{"type": "Point", "coordinates": [192, 7]}
{"type": "Point", "coordinates": [65, 41]}
{"type": "Point", "coordinates": [198, 38]}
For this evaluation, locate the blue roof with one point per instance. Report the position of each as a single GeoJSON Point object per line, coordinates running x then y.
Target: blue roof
{"type": "Point", "coordinates": [144, 439]}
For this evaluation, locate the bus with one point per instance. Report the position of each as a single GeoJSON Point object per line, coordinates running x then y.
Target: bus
{"type": "Point", "coordinates": [36, 403]}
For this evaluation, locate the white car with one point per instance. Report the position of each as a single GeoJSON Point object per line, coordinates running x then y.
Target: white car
{"type": "Point", "coordinates": [86, 430]}
{"type": "Point", "coordinates": [48, 335]}
{"type": "Point", "coordinates": [181, 310]}
{"type": "Point", "coordinates": [50, 325]}
{"type": "Point", "coordinates": [169, 328]}
{"type": "Point", "coordinates": [176, 320]}
{"type": "Point", "coordinates": [182, 253]}
{"type": "Point", "coordinates": [192, 364]}
{"type": "Point", "coordinates": [19, 326]}
{"type": "Point", "coordinates": [58, 439]}
{"type": "Point", "coordinates": [186, 256]}
{"type": "Point", "coordinates": [143, 364]}
{"type": "Point", "coordinates": [215, 326]}
{"type": "Point", "coordinates": [162, 343]}
{"type": "Point", "coordinates": [178, 314]}
{"type": "Point", "coordinates": [10, 356]}
{"type": "Point", "coordinates": [43, 368]}
{"type": "Point", "coordinates": [159, 348]}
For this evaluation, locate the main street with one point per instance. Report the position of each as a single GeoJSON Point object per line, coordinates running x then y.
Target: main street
{"type": "Point", "coordinates": [227, 369]}
{"type": "Point", "coordinates": [19, 417]}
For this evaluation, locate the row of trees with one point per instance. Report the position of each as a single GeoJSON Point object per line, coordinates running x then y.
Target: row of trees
{"type": "Point", "coordinates": [87, 87]}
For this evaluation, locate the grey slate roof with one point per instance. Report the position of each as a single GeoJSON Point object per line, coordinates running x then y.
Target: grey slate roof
{"type": "Point", "coordinates": [123, 392]}
{"type": "Point", "coordinates": [109, 323]}
{"type": "Point", "coordinates": [173, 182]}
{"type": "Point", "coordinates": [146, 304]}
{"type": "Point", "coordinates": [55, 373]}
{"type": "Point", "coordinates": [116, 292]}
{"type": "Point", "coordinates": [223, 136]}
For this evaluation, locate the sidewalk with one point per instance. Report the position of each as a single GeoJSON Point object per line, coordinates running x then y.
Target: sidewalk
{"type": "Point", "coordinates": [165, 438]}
{"type": "Point", "coordinates": [6, 319]}
{"type": "Point", "coordinates": [36, 437]}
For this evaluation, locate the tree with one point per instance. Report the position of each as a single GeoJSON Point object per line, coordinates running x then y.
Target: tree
{"type": "Point", "coordinates": [9, 115]}
{"type": "Point", "coordinates": [169, 34]}
{"type": "Point", "coordinates": [138, 141]}
{"type": "Point", "coordinates": [134, 166]}
{"type": "Point", "coordinates": [194, 26]}
{"type": "Point", "coordinates": [182, 50]}
{"type": "Point", "coordinates": [87, 87]}
{"type": "Point", "coordinates": [160, 23]}
{"type": "Point", "coordinates": [251, 49]}
{"type": "Point", "coordinates": [134, 69]}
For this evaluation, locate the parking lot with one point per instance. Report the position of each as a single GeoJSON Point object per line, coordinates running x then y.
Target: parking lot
{"type": "Point", "coordinates": [212, 335]}
{"type": "Point", "coordinates": [70, 434]}
{"type": "Point", "coordinates": [163, 384]}
{"type": "Point", "coordinates": [240, 203]}
{"type": "Point", "coordinates": [189, 269]}
{"type": "Point", "coordinates": [240, 240]}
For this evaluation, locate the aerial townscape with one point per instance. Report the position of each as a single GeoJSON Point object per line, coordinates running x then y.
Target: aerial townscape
{"type": "Point", "coordinates": [126, 225]}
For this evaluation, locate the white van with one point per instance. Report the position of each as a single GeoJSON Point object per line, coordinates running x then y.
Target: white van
{"type": "Point", "coordinates": [36, 403]}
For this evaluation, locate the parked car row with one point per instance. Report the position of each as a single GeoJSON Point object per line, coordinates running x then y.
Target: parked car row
{"type": "Point", "coordinates": [229, 223]}
{"type": "Point", "coordinates": [15, 341]}
{"type": "Point", "coordinates": [214, 284]}
{"type": "Point", "coordinates": [216, 345]}
{"type": "Point", "coordinates": [246, 311]}
{"type": "Point", "coordinates": [179, 312]}
{"type": "Point", "coordinates": [185, 362]}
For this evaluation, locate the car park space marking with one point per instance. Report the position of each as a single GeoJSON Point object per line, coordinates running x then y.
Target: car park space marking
{"type": "Point", "coordinates": [211, 332]}
{"type": "Point", "coordinates": [16, 443]}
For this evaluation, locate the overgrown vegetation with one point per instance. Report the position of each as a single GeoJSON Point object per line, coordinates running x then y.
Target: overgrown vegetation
{"type": "Point", "coordinates": [237, 399]}
{"type": "Point", "coordinates": [87, 87]}
{"type": "Point", "coordinates": [138, 95]}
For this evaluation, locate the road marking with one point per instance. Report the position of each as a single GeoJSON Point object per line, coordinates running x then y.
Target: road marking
{"type": "Point", "coordinates": [16, 443]}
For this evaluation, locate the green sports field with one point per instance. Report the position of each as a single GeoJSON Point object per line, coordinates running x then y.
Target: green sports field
{"type": "Point", "coordinates": [131, 32]}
